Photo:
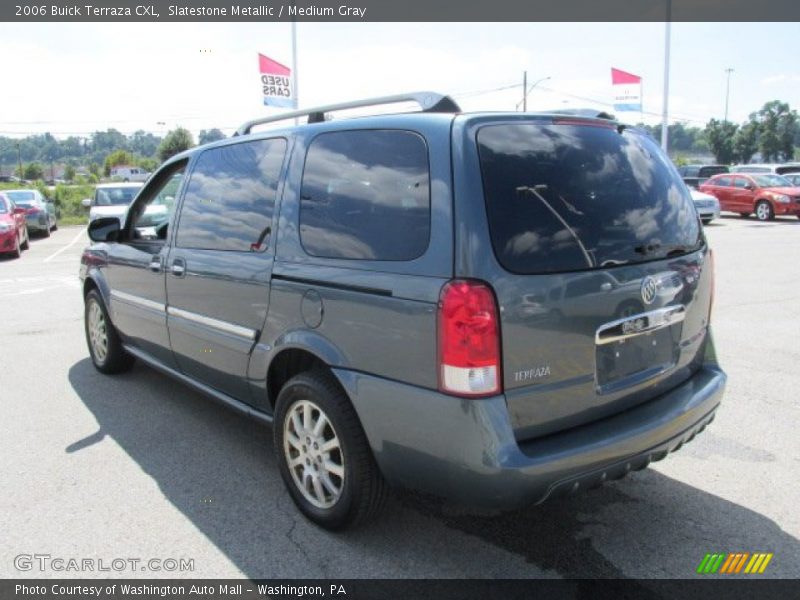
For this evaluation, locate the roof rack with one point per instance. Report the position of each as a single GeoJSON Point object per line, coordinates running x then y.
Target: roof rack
{"type": "Point", "coordinates": [428, 102]}
{"type": "Point", "coordinates": [592, 113]}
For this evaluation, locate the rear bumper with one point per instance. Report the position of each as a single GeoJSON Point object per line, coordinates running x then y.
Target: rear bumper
{"type": "Point", "coordinates": [36, 222]}
{"type": "Point", "coordinates": [466, 450]}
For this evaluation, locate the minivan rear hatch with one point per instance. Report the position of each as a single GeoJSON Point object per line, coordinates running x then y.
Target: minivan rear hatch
{"type": "Point", "coordinates": [600, 268]}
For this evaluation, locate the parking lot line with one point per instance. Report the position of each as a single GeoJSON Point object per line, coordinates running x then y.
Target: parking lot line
{"type": "Point", "coordinates": [72, 243]}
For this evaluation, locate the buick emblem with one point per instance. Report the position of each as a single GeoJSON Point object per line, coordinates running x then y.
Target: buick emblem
{"type": "Point", "coordinates": [649, 287]}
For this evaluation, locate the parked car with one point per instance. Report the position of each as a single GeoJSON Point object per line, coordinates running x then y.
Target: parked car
{"type": "Point", "coordinates": [777, 169]}
{"type": "Point", "coordinates": [40, 211]}
{"type": "Point", "coordinates": [378, 288]}
{"type": "Point", "coordinates": [707, 206]}
{"type": "Point", "coordinates": [694, 175]}
{"type": "Point", "coordinates": [13, 230]}
{"type": "Point", "coordinates": [128, 173]}
{"type": "Point", "coordinates": [765, 194]}
{"type": "Point", "coordinates": [111, 200]}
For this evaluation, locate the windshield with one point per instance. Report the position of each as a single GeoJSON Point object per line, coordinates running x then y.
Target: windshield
{"type": "Point", "coordinates": [772, 181]}
{"type": "Point", "coordinates": [3, 206]}
{"type": "Point", "coordinates": [22, 198]}
{"type": "Point", "coordinates": [571, 196]}
{"type": "Point", "coordinates": [115, 196]}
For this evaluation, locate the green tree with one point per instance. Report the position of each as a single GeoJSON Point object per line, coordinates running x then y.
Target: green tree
{"type": "Point", "coordinates": [94, 169]}
{"type": "Point", "coordinates": [176, 141]}
{"type": "Point", "coordinates": [69, 173]}
{"type": "Point", "coordinates": [719, 136]}
{"type": "Point", "coordinates": [777, 127]}
{"type": "Point", "coordinates": [33, 171]}
{"type": "Point", "coordinates": [210, 135]}
{"type": "Point", "coordinates": [117, 157]}
{"type": "Point", "coordinates": [745, 142]}
{"type": "Point", "coordinates": [148, 164]}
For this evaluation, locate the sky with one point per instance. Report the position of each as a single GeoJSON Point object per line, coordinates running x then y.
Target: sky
{"type": "Point", "coordinates": [73, 79]}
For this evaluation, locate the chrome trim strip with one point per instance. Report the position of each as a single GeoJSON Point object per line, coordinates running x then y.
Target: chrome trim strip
{"type": "Point", "coordinates": [138, 301]}
{"type": "Point", "coordinates": [655, 319]}
{"type": "Point", "coordinates": [223, 326]}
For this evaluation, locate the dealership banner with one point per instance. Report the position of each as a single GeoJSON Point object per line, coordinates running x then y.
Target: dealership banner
{"type": "Point", "coordinates": [627, 90]}
{"type": "Point", "coordinates": [276, 83]}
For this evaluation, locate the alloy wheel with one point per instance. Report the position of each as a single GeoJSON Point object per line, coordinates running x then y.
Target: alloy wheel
{"type": "Point", "coordinates": [313, 454]}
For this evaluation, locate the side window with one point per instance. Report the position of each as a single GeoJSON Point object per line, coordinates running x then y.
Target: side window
{"type": "Point", "coordinates": [230, 197]}
{"type": "Point", "coordinates": [366, 195]}
{"type": "Point", "coordinates": [739, 182]}
{"type": "Point", "coordinates": [152, 211]}
{"type": "Point", "coordinates": [723, 182]}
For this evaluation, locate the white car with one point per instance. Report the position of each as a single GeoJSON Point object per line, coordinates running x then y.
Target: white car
{"type": "Point", "coordinates": [707, 206]}
{"type": "Point", "coordinates": [128, 173]}
{"type": "Point", "coordinates": [111, 200]}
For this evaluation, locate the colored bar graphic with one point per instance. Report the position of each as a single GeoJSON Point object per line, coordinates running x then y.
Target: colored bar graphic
{"type": "Point", "coordinates": [733, 562]}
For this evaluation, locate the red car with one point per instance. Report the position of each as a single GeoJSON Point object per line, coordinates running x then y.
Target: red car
{"type": "Point", "coordinates": [765, 194]}
{"type": "Point", "coordinates": [13, 230]}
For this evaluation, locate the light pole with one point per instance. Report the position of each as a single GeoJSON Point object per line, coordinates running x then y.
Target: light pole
{"type": "Point", "coordinates": [665, 105]}
{"type": "Point", "coordinates": [727, 91]}
{"type": "Point", "coordinates": [527, 90]}
{"type": "Point", "coordinates": [19, 158]}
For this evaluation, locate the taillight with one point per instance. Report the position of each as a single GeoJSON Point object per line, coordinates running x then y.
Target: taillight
{"type": "Point", "coordinates": [710, 266]}
{"type": "Point", "coordinates": [31, 211]}
{"type": "Point", "coordinates": [469, 340]}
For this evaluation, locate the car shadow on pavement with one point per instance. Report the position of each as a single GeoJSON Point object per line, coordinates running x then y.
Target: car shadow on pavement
{"type": "Point", "coordinates": [218, 470]}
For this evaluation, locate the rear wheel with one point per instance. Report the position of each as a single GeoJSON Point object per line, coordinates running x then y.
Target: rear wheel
{"type": "Point", "coordinates": [706, 221]}
{"type": "Point", "coordinates": [17, 251]}
{"type": "Point", "coordinates": [46, 232]}
{"type": "Point", "coordinates": [764, 211]}
{"type": "Point", "coordinates": [324, 457]}
{"type": "Point", "coordinates": [105, 347]}
{"type": "Point", "coordinates": [27, 241]}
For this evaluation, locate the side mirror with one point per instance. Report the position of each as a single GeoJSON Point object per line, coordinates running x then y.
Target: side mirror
{"type": "Point", "coordinates": [86, 203]}
{"type": "Point", "coordinates": [105, 229]}
{"type": "Point", "coordinates": [749, 186]}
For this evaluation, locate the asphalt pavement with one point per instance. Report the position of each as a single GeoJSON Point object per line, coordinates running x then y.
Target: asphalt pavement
{"type": "Point", "coordinates": [139, 467]}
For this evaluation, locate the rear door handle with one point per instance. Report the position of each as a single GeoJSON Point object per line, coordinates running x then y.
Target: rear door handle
{"type": "Point", "coordinates": [155, 263]}
{"type": "Point", "coordinates": [178, 267]}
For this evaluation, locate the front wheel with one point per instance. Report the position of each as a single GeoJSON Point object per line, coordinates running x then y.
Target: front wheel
{"type": "Point", "coordinates": [764, 211]}
{"type": "Point", "coordinates": [323, 454]}
{"type": "Point", "coordinates": [105, 346]}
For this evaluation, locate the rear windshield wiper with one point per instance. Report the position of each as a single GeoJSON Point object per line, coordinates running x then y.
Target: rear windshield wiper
{"type": "Point", "coordinates": [674, 250]}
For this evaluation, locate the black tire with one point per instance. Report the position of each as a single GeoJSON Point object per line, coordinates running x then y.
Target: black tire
{"type": "Point", "coordinates": [46, 232]}
{"type": "Point", "coordinates": [706, 221]}
{"type": "Point", "coordinates": [27, 243]}
{"type": "Point", "coordinates": [116, 360]}
{"type": "Point", "coordinates": [363, 490]}
{"type": "Point", "coordinates": [55, 226]}
{"type": "Point", "coordinates": [17, 251]}
{"type": "Point", "coordinates": [764, 211]}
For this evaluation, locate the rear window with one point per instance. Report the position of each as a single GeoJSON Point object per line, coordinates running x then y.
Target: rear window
{"type": "Point", "coordinates": [568, 197]}
{"type": "Point", "coordinates": [22, 198]}
{"type": "Point", "coordinates": [115, 196]}
{"type": "Point", "coordinates": [786, 169]}
{"type": "Point", "coordinates": [711, 171]}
